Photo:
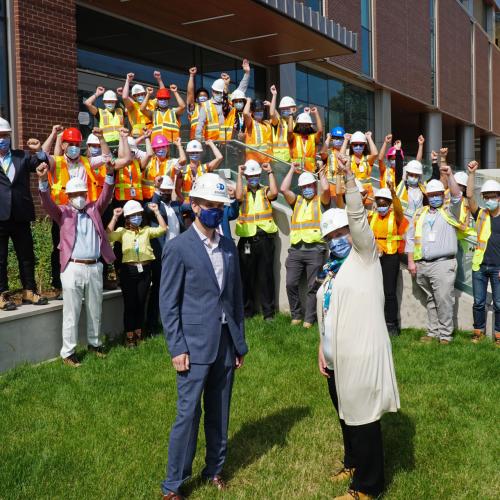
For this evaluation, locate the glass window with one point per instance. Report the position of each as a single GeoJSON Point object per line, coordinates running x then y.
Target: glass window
{"type": "Point", "coordinates": [301, 84]}
{"type": "Point", "coordinates": [366, 37]}
{"type": "Point", "coordinates": [317, 89]}
{"type": "Point", "coordinates": [4, 65]}
{"type": "Point", "coordinates": [316, 5]}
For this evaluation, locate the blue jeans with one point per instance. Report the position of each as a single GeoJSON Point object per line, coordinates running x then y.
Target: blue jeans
{"type": "Point", "coordinates": [479, 288]}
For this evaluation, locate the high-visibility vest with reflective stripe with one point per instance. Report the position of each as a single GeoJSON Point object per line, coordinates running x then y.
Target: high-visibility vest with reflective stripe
{"type": "Point", "coordinates": [332, 165]}
{"type": "Point", "coordinates": [154, 169]}
{"type": "Point", "coordinates": [193, 120]}
{"type": "Point", "coordinates": [306, 219]}
{"type": "Point", "coordinates": [128, 182]}
{"type": "Point", "coordinates": [483, 229]}
{"type": "Point", "coordinates": [166, 123]}
{"type": "Point", "coordinates": [226, 133]}
{"type": "Point", "coordinates": [138, 120]}
{"type": "Point", "coordinates": [187, 180]}
{"type": "Point", "coordinates": [362, 170]}
{"type": "Point", "coordinates": [111, 123]}
{"type": "Point", "coordinates": [402, 194]}
{"type": "Point", "coordinates": [100, 177]}
{"type": "Point", "coordinates": [255, 212]}
{"type": "Point", "coordinates": [304, 154]}
{"type": "Point", "coordinates": [386, 174]}
{"type": "Point", "coordinates": [281, 148]}
{"type": "Point", "coordinates": [419, 219]}
{"type": "Point", "coordinates": [388, 235]}
{"type": "Point", "coordinates": [215, 130]}
{"type": "Point", "coordinates": [60, 178]}
{"type": "Point", "coordinates": [259, 138]}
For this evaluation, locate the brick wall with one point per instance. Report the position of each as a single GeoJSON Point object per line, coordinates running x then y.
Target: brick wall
{"type": "Point", "coordinates": [482, 80]}
{"type": "Point", "coordinates": [495, 64]}
{"type": "Point", "coordinates": [45, 60]}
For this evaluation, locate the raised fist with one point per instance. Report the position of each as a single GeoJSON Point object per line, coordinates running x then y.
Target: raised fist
{"type": "Point", "coordinates": [245, 65]}
{"type": "Point", "coordinates": [118, 212]}
{"type": "Point", "coordinates": [472, 166]}
{"type": "Point", "coordinates": [273, 90]}
{"type": "Point", "coordinates": [388, 138]}
{"type": "Point", "coordinates": [57, 128]}
{"type": "Point", "coordinates": [99, 91]}
{"type": "Point", "coordinates": [153, 207]}
{"type": "Point", "coordinates": [157, 75]}
{"type": "Point", "coordinates": [193, 70]}
{"type": "Point", "coordinates": [130, 76]}
{"type": "Point", "coordinates": [42, 170]}
{"type": "Point", "coordinates": [421, 139]}
{"type": "Point", "coordinates": [34, 145]}
{"type": "Point", "coordinates": [173, 87]}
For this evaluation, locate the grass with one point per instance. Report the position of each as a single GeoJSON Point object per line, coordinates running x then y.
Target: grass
{"type": "Point", "coordinates": [101, 431]}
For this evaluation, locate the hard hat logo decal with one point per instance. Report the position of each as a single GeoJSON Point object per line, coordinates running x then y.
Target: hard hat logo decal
{"type": "Point", "coordinates": [220, 186]}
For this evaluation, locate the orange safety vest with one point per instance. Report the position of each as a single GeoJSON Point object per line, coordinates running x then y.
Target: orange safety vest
{"type": "Point", "coordinates": [193, 120]}
{"type": "Point", "coordinates": [260, 139]}
{"type": "Point", "coordinates": [187, 179]}
{"type": "Point", "coordinates": [305, 154]}
{"type": "Point", "coordinates": [363, 172]}
{"type": "Point", "coordinates": [281, 149]}
{"type": "Point", "coordinates": [386, 174]}
{"type": "Point", "coordinates": [213, 129]}
{"type": "Point", "coordinates": [129, 182]}
{"type": "Point", "coordinates": [388, 234]}
{"type": "Point", "coordinates": [166, 123]}
{"type": "Point", "coordinates": [138, 120]}
{"type": "Point", "coordinates": [155, 168]}
{"type": "Point", "coordinates": [111, 123]}
{"type": "Point", "coordinates": [60, 178]}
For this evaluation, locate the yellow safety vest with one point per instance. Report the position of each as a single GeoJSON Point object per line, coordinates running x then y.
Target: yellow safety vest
{"type": "Point", "coordinates": [187, 179]}
{"type": "Point", "coordinates": [166, 123]}
{"type": "Point", "coordinates": [255, 213]}
{"type": "Point", "coordinates": [129, 182]}
{"type": "Point", "coordinates": [306, 220]}
{"type": "Point", "coordinates": [305, 154]}
{"type": "Point", "coordinates": [110, 124]}
{"type": "Point", "coordinates": [138, 120]}
{"type": "Point", "coordinates": [362, 170]}
{"type": "Point", "coordinates": [155, 169]}
{"type": "Point", "coordinates": [483, 228]}
{"type": "Point", "coordinates": [402, 194]}
{"type": "Point", "coordinates": [281, 149]}
{"type": "Point", "coordinates": [193, 120]}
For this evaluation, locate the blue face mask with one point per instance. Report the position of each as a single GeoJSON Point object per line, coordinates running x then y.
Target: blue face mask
{"type": "Point", "coordinates": [239, 105]}
{"type": "Point", "coordinates": [194, 156]}
{"type": "Point", "coordinates": [392, 163]}
{"type": "Point", "coordinates": [258, 115]}
{"type": "Point", "coordinates": [308, 193]}
{"type": "Point", "coordinates": [382, 210]}
{"type": "Point", "coordinates": [211, 217]}
{"type": "Point", "coordinates": [110, 106]}
{"type": "Point", "coordinates": [73, 152]}
{"type": "Point", "coordinates": [491, 205]}
{"type": "Point", "coordinates": [136, 220]}
{"type": "Point", "coordinates": [286, 113]}
{"type": "Point", "coordinates": [435, 201]}
{"type": "Point", "coordinates": [140, 98]}
{"type": "Point", "coordinates": [340, 247]}
{"type": "Point", "coordinates": [217, 98]}
{"type": "Point", "coordinates": [94, 150]}
{"type": "Point", "coordinates": [412, 181]}
{"type": "Point", "coordinates": [253, 181]}
{"type": "Point", "coordinates": [162, 103]}
{"type": "Point", "coordinates": [358, 148]}
{"type": "Point", "coordinates": [161, 153]}
{"type": "Point", "coordinates": [4, 144]}
{"type": "Point", "coordinates": [337, 143]}
{"type": "Point", "coordinates": [202, 99]}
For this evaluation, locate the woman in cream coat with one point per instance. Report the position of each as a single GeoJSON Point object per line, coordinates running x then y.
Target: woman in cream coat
{"type": "Point", "coordinates": [355, 351]}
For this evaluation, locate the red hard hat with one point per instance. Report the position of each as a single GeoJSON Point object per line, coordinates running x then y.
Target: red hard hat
{"type": "Point", "coordinates": [72, 134]}
{"type": "Point", "coordinates": [163, 94]}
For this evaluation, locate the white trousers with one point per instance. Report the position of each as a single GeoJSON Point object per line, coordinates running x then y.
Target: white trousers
{"type": "Point", "coordinates": [81, 281]}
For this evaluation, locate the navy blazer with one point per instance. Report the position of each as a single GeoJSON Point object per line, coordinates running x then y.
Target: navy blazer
{"type": "Point", "coordinates": [191, 302]}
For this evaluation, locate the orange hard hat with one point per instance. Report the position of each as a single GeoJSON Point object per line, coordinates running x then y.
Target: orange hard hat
{"type": "Point", "coordinates": [163, 94]}
{"type": "Point", "coordinates": [72, 134]}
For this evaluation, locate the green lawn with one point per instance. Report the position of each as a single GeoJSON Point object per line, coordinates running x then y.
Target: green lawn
{"type": "Point", "coordinates": [101, 431]}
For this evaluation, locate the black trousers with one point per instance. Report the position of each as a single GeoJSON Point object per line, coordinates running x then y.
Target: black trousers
{"type": "Point", "coordinates": [54, 257]}
{"type": "Point", "coordinates": [153, 308]}
{"type": "Point", "coordinates": [135, 286]}
{"type": "Point", "coordinates": [363, 450]}
{"type": "Point", "coordinates": [390, 273]}
{"type": "Point", "coordinates": [20, 233]}
{"type": "Point", "coordinates": [257, 274]}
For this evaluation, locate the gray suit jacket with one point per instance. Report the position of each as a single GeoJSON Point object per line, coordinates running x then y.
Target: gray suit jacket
{"type": "Point", "coordinates": [191, 302]}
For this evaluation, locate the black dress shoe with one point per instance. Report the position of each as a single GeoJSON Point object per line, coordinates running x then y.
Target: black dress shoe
{"type": "Point", "coordinates": [98, 351]}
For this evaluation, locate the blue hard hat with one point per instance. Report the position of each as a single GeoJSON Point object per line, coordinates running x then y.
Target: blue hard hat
{"type": "Point", "coordinates": [337, 132]}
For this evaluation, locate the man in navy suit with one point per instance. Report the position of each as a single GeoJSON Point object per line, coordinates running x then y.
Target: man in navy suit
{"type": "Point", "coordinates": [201, 308]}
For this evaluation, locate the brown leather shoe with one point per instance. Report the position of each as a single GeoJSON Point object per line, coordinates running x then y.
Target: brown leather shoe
{"type": "Point", "coordinates": [426, 339]}
{"type": "Point", "coordinates": [343, 474]}
{"type": "Point", "coordinates": [296, 322]}
{"type": "Point", "coordinates": [477, 336]}
{"type": "Point", "coordinates": [444, 342]}
{"type": "Point", "coordinates": [72, 361]}
{"type": "Point", "coordinates": [307, 325]}
{"type": "Point", "coordinates": [354, 495]}
{"type": "Point", "coordinates": [6, 304]}
{"type": "Point", "coordinates": [497, 339]}
{"type": "Point", "coordinates": [33, 298]}
{"type": "Point", "coordinates": [173, 496]}
{"type": "Point", "coordinates": [130, 340]}
{"type": "Point", "coordinates": [217, 482]}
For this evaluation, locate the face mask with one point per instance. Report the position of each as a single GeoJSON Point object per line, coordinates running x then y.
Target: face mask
{"type": "Point", "coordinates": [253, 181]}
{"type": "Point", "coordinates": [239, 105]}
{"type": "Point", "coordinates": [211, 217]}
{"type": "Point", "coordinates": [412, 181]}
{"type": "Point", "coordinates": [286, 113]}
{"type": "Point", "coordinates": [358, 149]}
{"type": "Point", "coordinates": [161, 153]}
{"type": "Point", "coordinates": [382, 210]}
{"type": "Point", "coordinates": [308, 193]}
{"type": "Point", "coordinates": [340, 247]}
{"type": "Point", "coordinates": [392, 163]}
{"type": "Point", "coordinates": [110, 106]}
{"type": "Point", "coordinates": [78, 202]}
{"type": "Point", "coordinates": [166, 198]}
{"type": "Point", "coordinates": [491, 205]}
{"type": "Point", "coordinates": [140, 99]}
{"type": "Point", "coordinates": [162, 103]}
{"type": "Point", "coordinates": [435, 201]}
{"type": "Point", "coordinates": [136, 220]}
{"type": "Point", "coordinates": [194, 156]}
{"type": "Point", "coordinates": [202, 99]}
{"type": "Point", "coordinates": [258, 115]}
{"type": "Point", "coordinates": [337, 143]}
{"type": "Point", "coordinates": [94, 150]}
{"type": "Point", "coordinates": [4, 143]}
{"type": "Point", "coordinates": [73, 152]}
{"type": "Point", "coordinates": [217, 98]}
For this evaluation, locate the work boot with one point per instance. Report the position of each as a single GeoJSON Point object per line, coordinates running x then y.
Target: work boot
{"type": "Point", "coordinates": [98, 351]}
{"type": "Point", "coordinates": [72, 361]}
{"type": "Point", "coordinates": [110, 284]}
{"type": "Point", "coordinates": [31, 297]}
{"type": "Point", "coordinates": [477, 336]}
{"type": "Point", "coordinates": [497, 339]}
{"type": "Point", "coordinates": [5, 303]}
{"type": "Point", "coordinates": [343, 474]}
{"type": "Point", "coordinates": [354, 495]}
{"type": "Point", "coordinates": [296, 322]}
{"type": "Point", "coordinates": [444, 342]}
{"type": "Point", "coordinates": [58, 294]}
{"type": "Point", "coordinates": [130, 340]}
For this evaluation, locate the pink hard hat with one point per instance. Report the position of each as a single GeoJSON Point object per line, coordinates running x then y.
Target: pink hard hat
{"type": "Point", "coordinates": [159, 141]}
{"type": "Point", "coordinates": [392, 152]}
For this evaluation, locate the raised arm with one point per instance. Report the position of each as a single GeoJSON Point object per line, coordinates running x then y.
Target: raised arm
{"type": "Point", "coordinates": [243, 86]}
{"type": "Point", "coordinates": [161, 221]}
{"type": "Point", "coordinates": [47, 145]}
{"type": "Point", "coordinates": [387, 141]}
{"type": "Point", "coordinates": [89, 102]}
{"type": "Point", "coordinates": [343, 148]}
{"type": "Point", "coordinates": [319, 124]}
{"type": "Point", "coordinates": [144, 104]}
{"type": "Point", "coordinates": [324, 186]}
{"type": "Point", "coordinates": [181, 105]}
{"type": "Point", "coordinates": [125, 156]}
{"type": "Point", "coordinates": [190, 88]}
{"type": "Point", "coordinates": [273, 113]}
{"type": "Point", "coordinates": [420, 151]}
{"type": "Point", "coordinates": [180, 150]}
{"type": "Point", "coordinates": [239, 183]}
{"type": "Point", "coordinates": [324, 149]}
{"type": "Point", "coordinates": [272, 190]}
{"type": "Point", "coordinates": [285, 187]}
{"type": "Point", "coordinates": [396, 203]}
{"type": "Point", "coordinates": [159, 80]}
{"type": "Point", "coordinates": [471, 181]}
{"type": "Point", "coordinates": [290, 130]}
{"type": "Point", "coordinates": [117, 213]}
{"type": "Point", "coordinates": [129, 103]}
{"type": "Point", "coordinates": [373, 148]}
{"type": "Point", "coordinates": [212, 165]}
{"type": "Point", "coordinates": [43, 185]}
{"type": "Point", "coordinates": [247, 115]}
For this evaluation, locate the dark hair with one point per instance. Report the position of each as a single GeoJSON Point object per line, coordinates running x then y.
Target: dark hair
{"type": "Point", "coordinates": [257, 105]}
{"type": "Point", "coordinates": [199, 91]}
{"type": "Point", "coordinates": [303, 129]}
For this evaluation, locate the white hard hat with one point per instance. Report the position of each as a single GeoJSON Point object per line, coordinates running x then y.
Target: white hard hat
{"type": "Point", "coordinates": [93, 139]}
{"type": "Point", "coordinates": [332, 219]}
{"type": "Point", "coordinates": [219, 85]}
{"type": "Point", "coordinates": [194, 146]}
{"type": "Point", "coordinates": [109, 95]}
{"type": "Point", "coordinates": [167, 182]}
{"type": "Point", "coordinates": [414, 167]}
{"type": "Point", "coordinates": [138, 89]}
{"type": "Point", "coordinates": [237, 94]}
{"type": "Point", "coordinates": [210, 187]}
{"type": "Point", "coordinates": [252, 167]}
{"type": "Point", "coordinates": [358, 137]}
{"type": "Point", "coordinates": [461, 178]}
{"type": "Point", "coordinates": [5, 126]}
{"type": "Point", "coordinates": [383, 193]}
{"type": "Point", "coordinates": [434, 186]}
{"type": "Point", "coordinates": [132, 142]}
{"type": "Point", "coordinates": [76, 185]}
{"type": "Point", "coordinates": [490, 186]}
{"type": "Point", "coordinates": [286, 102]}
{"type": "Point", "coordinates": [304, 118]}
{"type": "Point", "coordinates": [360, 185]}
{"type": "Point", "coordinates": [306, 178]}
{"type": "Point", "coordinates": [132, 207]}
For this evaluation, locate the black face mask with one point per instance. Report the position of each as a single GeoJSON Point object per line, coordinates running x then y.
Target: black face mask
{"type": "Point", "coordinates": [166, 198]}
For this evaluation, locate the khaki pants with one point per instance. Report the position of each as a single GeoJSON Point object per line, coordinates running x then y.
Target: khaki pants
{"type": "Point", "coordinates": [437, 280]}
